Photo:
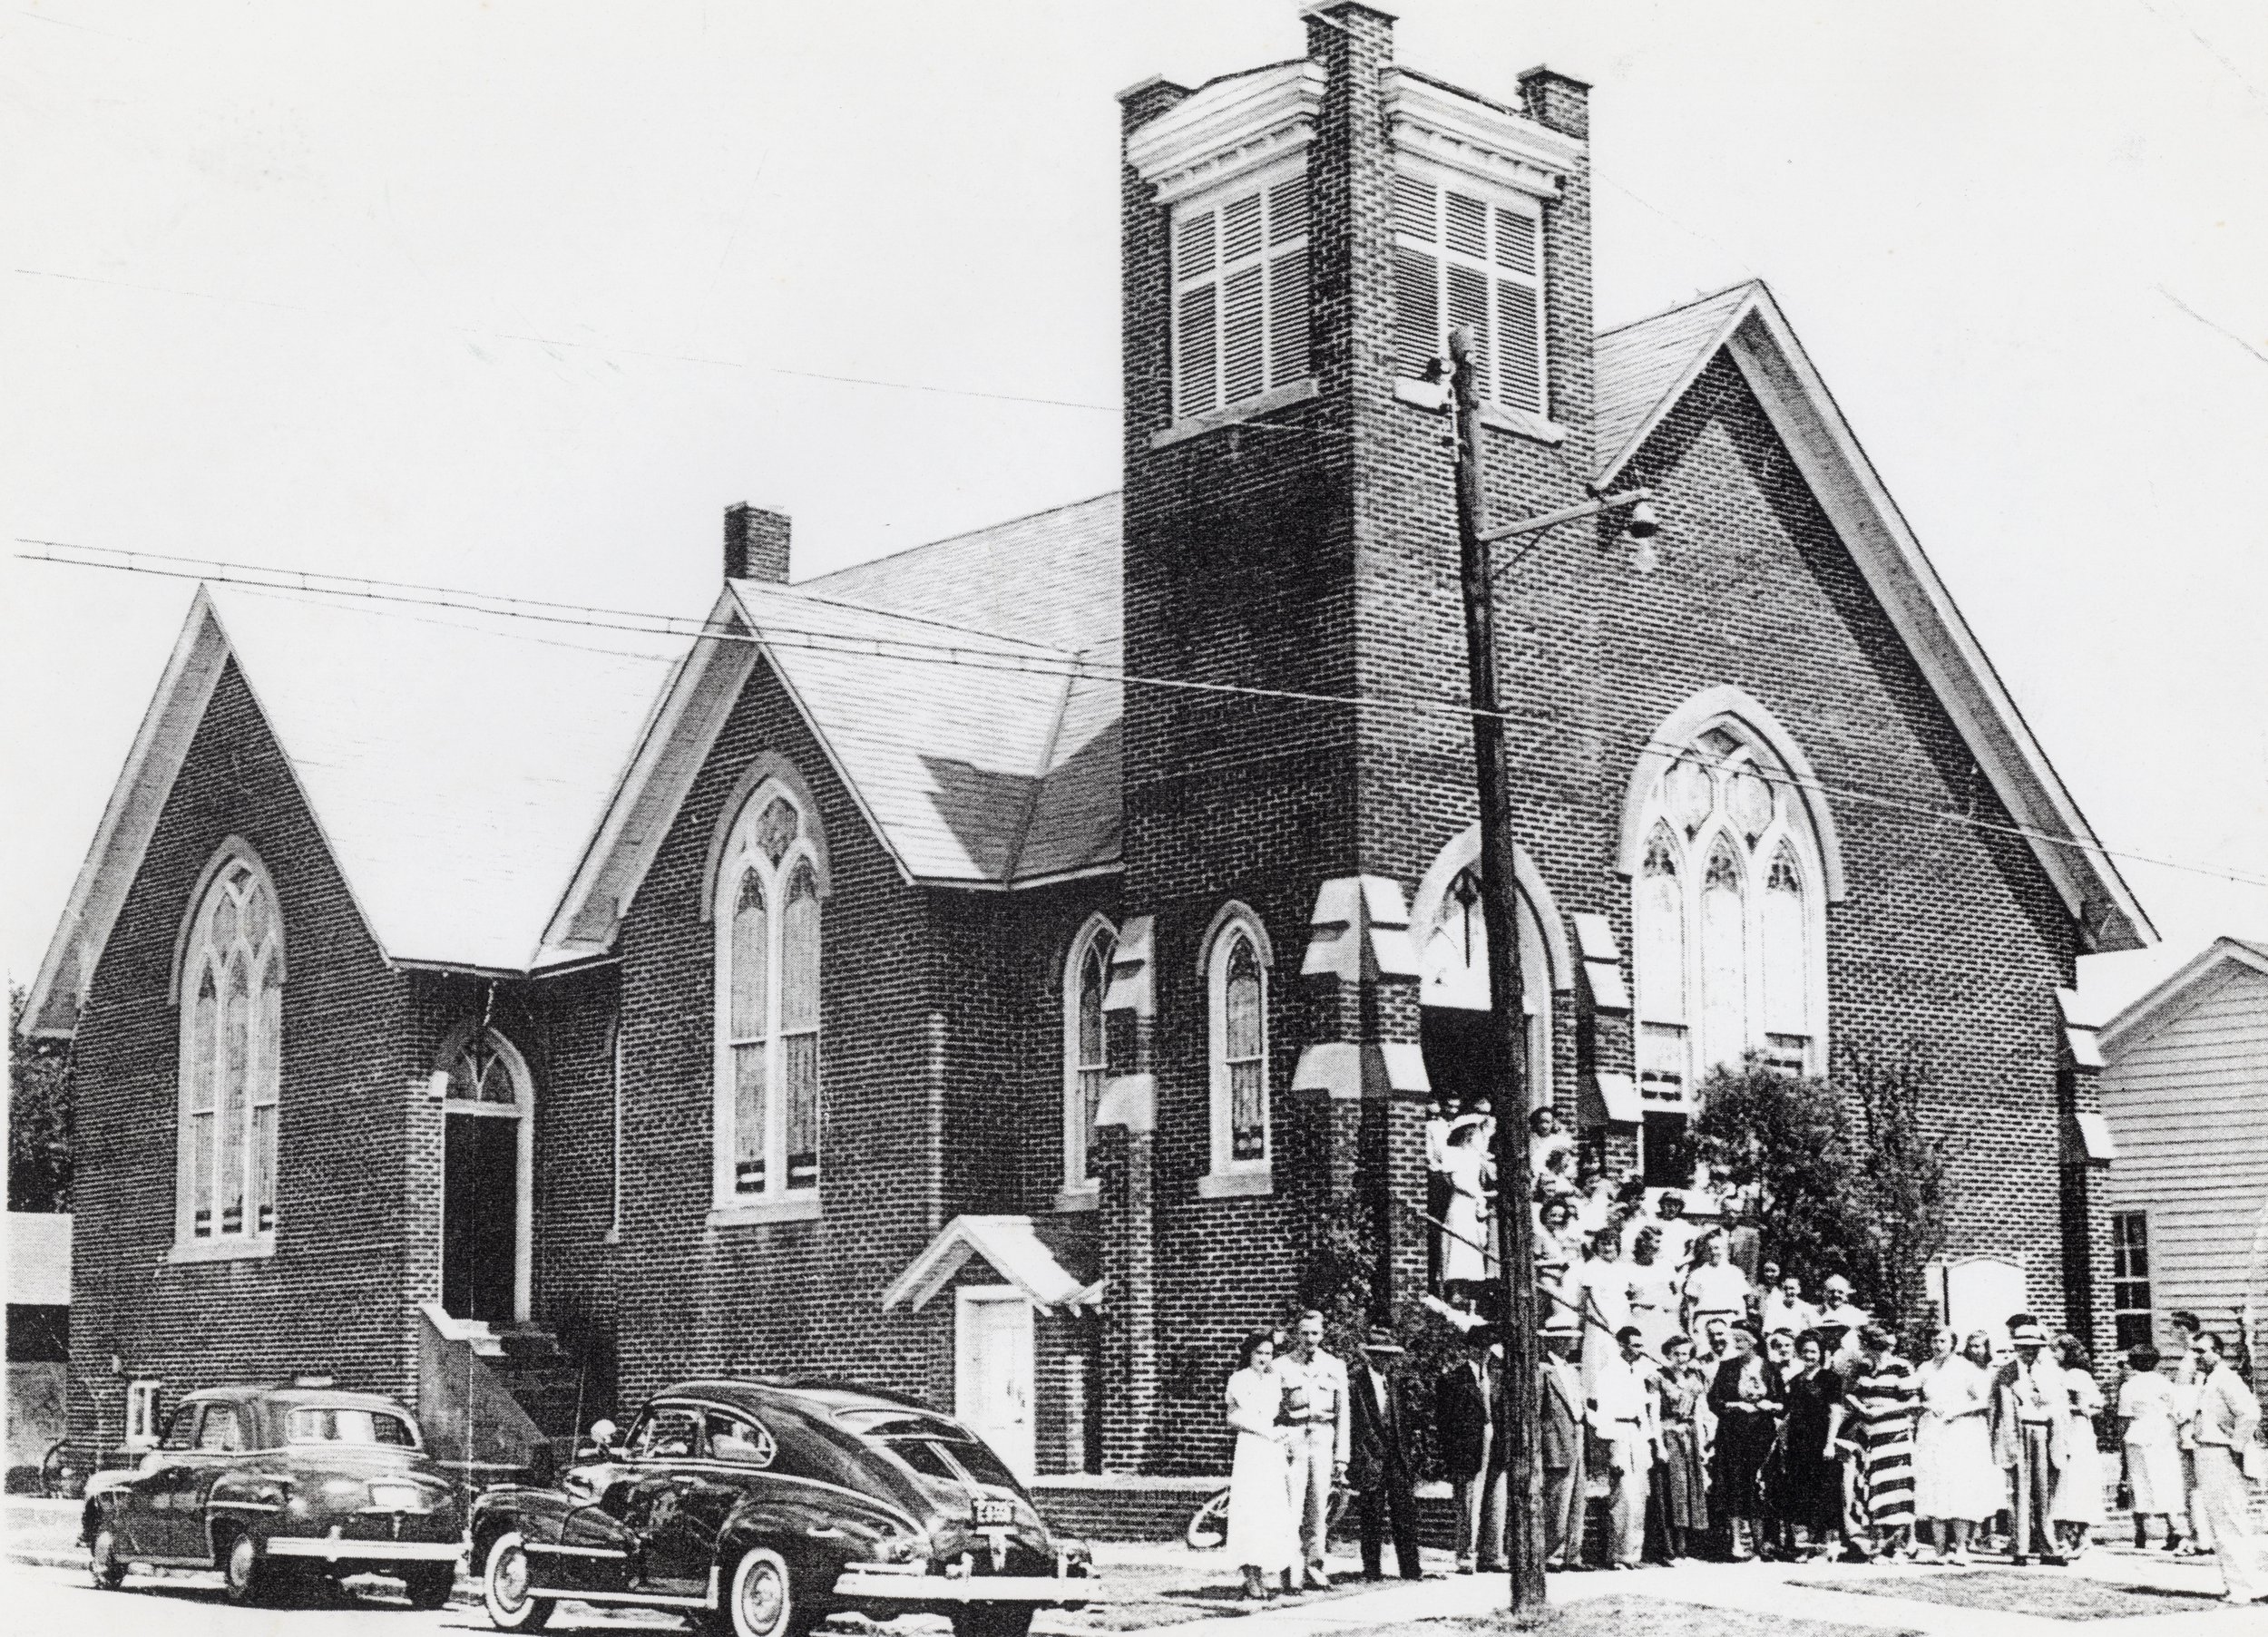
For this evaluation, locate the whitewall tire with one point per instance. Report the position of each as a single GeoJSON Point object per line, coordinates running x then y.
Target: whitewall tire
{"type": "Point", "coordinates": [506, 1580]}
{"type": "Point", "coordinates": [760, 1597]}
{"type": "Point", "coordinates": [102, 1558]}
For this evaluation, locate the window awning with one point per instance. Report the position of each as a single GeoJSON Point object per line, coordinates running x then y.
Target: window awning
{"type": "Point", "coordinates": [1013, 1251]}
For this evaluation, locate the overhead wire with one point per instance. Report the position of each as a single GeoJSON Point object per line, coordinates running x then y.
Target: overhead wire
{"type": "Point", "coordinates": [991, 651]}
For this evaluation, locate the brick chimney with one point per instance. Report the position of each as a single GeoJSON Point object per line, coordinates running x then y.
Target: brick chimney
{"type": "Point", "coordinates": [756, 543]}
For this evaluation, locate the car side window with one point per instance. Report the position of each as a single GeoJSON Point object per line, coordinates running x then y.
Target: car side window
{"type": "Point", "coordinates": [219, 1434]}
{"type": "Point", "coordinates": [181, 1432]}
{"type": "Point", "coordinates": [666, 1433]}
{"type": "Point", "coordinates": [740, 1441]}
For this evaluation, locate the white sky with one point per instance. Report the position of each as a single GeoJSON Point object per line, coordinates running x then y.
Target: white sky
{"type": "Point", "coordinates": [271, 272]}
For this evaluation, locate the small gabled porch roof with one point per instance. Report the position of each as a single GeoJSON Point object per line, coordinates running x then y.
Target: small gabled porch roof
{"type": "Point", "coordinates": [1013, 1251]}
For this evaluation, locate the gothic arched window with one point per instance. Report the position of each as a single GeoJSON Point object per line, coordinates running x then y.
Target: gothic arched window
{"type": "Point", "coordinates": [767, 893]}
{"type": "Point", "coordinates": [1086, 978]}
{"type": "Point", "coordinates": [232, 1072]}
{"type": "Point", "coordinates": [1237, 987]}
{"type": "Point", "coordinates": [1727, 916]}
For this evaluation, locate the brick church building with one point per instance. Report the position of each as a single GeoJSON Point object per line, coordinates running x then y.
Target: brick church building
{"type": "Point", "coordinates": [979, 971]}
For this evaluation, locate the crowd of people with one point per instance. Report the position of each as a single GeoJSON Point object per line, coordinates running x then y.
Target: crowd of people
{"type": "Point", "coordinates": [1731, 1418]}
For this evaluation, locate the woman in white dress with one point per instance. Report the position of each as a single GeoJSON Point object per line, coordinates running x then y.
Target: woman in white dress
{"type": "Point", "coordinates": [1261, 1536]}
{"type": "Point", "coordinates": [1601, 1285]}
{"type": "Point", "coordinates": [2153, 1455]}
{"type": "Point", "coordinates": [1957, 1487]}
{"type": "Point", "coordinates": [2078, 1507]}
{"type": "Point", "coordinates": [1653, 1291]}
{"type": "Point", "coordinates": [1468, 1245]}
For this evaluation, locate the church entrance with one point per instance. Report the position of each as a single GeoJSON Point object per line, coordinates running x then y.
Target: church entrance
{"type": "Point", "coordinates": [486, 1155]}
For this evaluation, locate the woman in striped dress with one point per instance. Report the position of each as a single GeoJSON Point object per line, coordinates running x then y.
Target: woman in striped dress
{"type": "Point", "coordinates": [1885, 1397]}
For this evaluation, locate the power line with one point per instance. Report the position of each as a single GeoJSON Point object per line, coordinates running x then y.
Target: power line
{"type": "Point", "coordinates": [1008, 655]}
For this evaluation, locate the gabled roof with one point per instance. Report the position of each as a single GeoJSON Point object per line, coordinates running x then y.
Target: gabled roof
{"type": "Point", "coordinates": [2154, 1008]}
{"type": "Point", "coordinates": [1665, 355]}
{"type": "Point", "coordinates": [952, 688]}
{"type": "Point", "coordinates": [455, 763]}
{"type": "Point", "coordinates": [1010, 1246]}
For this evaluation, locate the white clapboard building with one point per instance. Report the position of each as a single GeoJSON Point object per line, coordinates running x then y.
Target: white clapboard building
{"type": "Point", "coordinates": [2185, 1087]}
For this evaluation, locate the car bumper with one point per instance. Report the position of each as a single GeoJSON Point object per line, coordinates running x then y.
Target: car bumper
{"type": "Point", "coordinates": [860, 1584]}
{"type": "Point", "coordinates": [333, 1548]}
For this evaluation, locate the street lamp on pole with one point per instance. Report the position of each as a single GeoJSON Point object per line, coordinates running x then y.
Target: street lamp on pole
{"type": "Point", "coordinates": [1507, 1020]}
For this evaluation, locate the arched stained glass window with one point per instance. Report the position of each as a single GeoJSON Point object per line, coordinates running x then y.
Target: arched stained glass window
{"type": "Point", "coordinates": [768, 895]}
{"type": "Point", "coordinates": [1727, 917]}
{"type": "Point", "coordinates": [231, 1059]}
{"type": "Point", "coordinates": [1086, 979]}
{"type": "Point", "coordinates": [1237, 989]}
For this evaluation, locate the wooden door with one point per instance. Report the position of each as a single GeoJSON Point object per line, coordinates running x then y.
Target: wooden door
{"type": "Point", "coordinates": [993, 1335]}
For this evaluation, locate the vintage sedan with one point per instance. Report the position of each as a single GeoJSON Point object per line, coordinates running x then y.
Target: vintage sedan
{"type": "Point", "coordinates": [273, 1485]}
{"type": "Point", "coordinates": [759, 1508]}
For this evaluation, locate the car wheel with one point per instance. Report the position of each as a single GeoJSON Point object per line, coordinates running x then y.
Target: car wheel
{"type": "Point", "coordinates": [993, 1619]}
{"type": "Point", "coordinates": [760, 1598]}
{"type": "Point", "coordinates": [505, 1578]}
{"type": "Point", "coordinates": [429, 1585]}
{"type": "Point", "coordinates": [242, 1570]}
{"type": "Point", "coordinates": [109, 1569]}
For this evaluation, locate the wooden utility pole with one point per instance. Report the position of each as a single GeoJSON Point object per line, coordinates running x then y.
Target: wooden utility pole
{"type": "Point", "coordinates": [1508, 1021]}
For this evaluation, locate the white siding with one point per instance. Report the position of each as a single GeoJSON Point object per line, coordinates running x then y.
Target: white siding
{"type": "Point", "coordinates": [2188, 1106]}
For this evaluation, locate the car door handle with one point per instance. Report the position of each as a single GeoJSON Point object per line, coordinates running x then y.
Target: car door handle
{"type": "Point", "coordinates": [824, 1532]}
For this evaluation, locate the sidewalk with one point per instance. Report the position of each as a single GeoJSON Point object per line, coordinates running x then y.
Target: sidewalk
{"type": "Point", "coordinates": [1785, 1590]}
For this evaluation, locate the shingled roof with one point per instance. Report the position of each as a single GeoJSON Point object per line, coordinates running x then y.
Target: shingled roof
{"type": "Point", "coordinates": [963, 689]}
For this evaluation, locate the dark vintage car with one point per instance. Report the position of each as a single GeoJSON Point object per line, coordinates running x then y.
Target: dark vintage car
{"type": "Point", "coordinates": [761, 1507]}
{"type": "Point", "coordinates": [275, 1484]}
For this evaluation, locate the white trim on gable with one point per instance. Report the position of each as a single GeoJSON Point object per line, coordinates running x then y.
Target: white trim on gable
{"type": "Point", "coordinates": [1826, 451]}
{"type": "Point", "coordinates": [2150, 1011]}
{"type": "Point", "coordinates": [121, 840]}
{"type": "Point", "coordinates": [675, 747]}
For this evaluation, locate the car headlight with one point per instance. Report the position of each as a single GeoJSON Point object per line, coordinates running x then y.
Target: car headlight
{"type": "Point", "coordinates": [344, 1495]}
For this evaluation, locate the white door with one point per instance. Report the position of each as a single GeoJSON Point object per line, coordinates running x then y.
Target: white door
{"type": "Point", "coordinates": [993, 1372]}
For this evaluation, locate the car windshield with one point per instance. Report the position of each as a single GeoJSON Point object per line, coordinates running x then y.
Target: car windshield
{"type": "Point", "coordinates": [327, 1424]}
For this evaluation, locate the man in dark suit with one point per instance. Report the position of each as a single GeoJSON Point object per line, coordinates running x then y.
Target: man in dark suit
{"type": "Point", "coordinates": [1560, 1441]}
{"type": "Point", "coordinates": [1464, 1426]}
{"type": "Point", "coordinates": [1378, 1466]}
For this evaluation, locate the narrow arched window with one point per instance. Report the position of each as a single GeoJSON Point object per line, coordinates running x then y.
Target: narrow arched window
{"type": "Point", "coordinates": [1724, 959]}
{"type": "Point", "coordinates": [1787, 1021]}
{"type": "Point", "coordinates": [1086, 979]}
{"type": "Point", "coordinates": [1237, 992]}
{"type": "Point", "coordinates": [1658, 962]}
{"type": "Point", "coordinates": [767, 896]}
{"type": "Point", "coordinates": [231, 1060]}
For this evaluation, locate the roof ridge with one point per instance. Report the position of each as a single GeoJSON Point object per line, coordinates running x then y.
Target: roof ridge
{"type": "Point", "coordinates": [947, 539]}
{"type": "Point", "coordinates": [1743, 284]}
{"type": "Point", "coordinates": [774, 588]}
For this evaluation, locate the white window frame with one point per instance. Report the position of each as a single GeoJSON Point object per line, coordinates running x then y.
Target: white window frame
{"type": "Point", "coordinates": [467, 1037]}
{"type": "Point", "coordinates": [1444, 181]}
{"type": "Point", "coordinates": [194, 955]}
{"type": "Point", "coordinates": [1789, 826]}
{"type": "Point", "coordinates": [1274, 373]}
{"type": "Point", "coordinates": [2148, 1280]}
{"type": "Point", "coordinates": [740, 853]}
{"type": "Point", "coordinates": [1228, 1174]}
{"type": "Point", "coordinates": [1079, 1176]}
{"type": "Point", "coordinates": [142, 1430]}
{"type": "Point", "coordinates": [613, 1235]}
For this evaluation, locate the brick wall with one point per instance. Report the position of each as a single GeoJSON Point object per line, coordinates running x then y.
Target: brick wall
{"type": "Point", "coordinates": [335, 1297]}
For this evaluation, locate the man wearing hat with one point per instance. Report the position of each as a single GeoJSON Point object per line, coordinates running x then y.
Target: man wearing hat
{"type": "Point", "coordinates": [1378, 1466]}
{"type": "Point", "coordinates": [2030, 1439]}
{"type": "Point", "coordinates": [1560, 1444]}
